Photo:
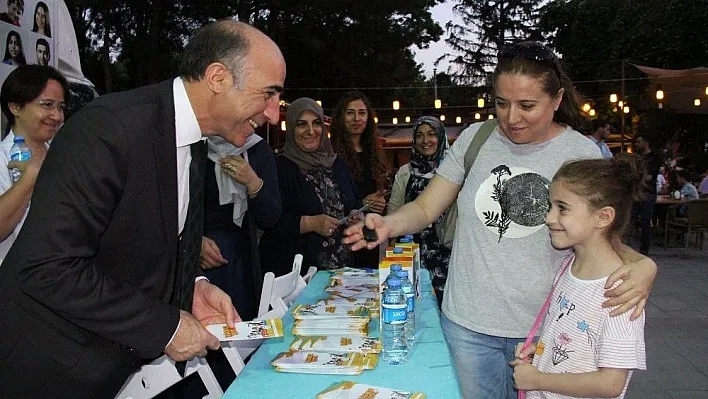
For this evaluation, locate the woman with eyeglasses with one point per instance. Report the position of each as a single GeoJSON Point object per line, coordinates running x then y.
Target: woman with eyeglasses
{"type": "Point", "coordinates": [502, 264]}
{"type": "Point", "coordinates": [32, 99]}
{"type": "Point", "coordinates": [318, 192]}
{"type": "Point", "coordinates": [14, 54]}
{"type": "Point", "coordinates": [429, 148]}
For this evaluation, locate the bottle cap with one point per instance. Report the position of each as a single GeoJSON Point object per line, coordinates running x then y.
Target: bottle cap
{"type": "Point", "coordinates": [18, 139]}
{"type": "Point", "coordinates": [396, 267]}
{"type": "Point", "coordinates": [397, 250]}
{"type": "Point", "coordinates": [402, 273]}
{"type": "Point", "coordinates": [405, 240]}
{"type": "Point", "coordinates": [394, 282]}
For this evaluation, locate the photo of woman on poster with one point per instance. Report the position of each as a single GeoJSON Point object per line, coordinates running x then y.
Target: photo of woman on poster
{"type": "Point", "coordinates": [41, 20]}
{"type": "Point", "coordinates": [14, 55]}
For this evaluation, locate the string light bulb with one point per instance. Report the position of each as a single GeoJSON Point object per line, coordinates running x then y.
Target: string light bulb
{"type": "Point", "coordinates": [396, 105]}
{"type": "Point", "coordinates": [438, 103]}
{"type": "Point", "coordinates": [659, 93]}
{"type": "Point", "coordinates": [613, 98]}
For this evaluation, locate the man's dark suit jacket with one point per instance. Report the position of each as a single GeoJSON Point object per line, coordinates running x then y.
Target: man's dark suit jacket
{"type": "Point", "coordinates": [85, 290]}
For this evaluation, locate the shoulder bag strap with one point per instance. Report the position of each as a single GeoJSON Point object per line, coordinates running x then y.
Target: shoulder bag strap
{"type": "Point", "coordinates": [542, 313]}
{"type": "Point", "coordinates": [479, 138]}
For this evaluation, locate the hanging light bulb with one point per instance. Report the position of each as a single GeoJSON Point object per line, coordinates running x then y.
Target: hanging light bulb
{"type": "Point", "coordinates": [659, 92]}
{"type": "Point", "coordinates": [442, 118]}
{"type": "Point", "coordinates": [587, 107]}
{"type": "Point", "coordinates": [620, 104]}
{"type": "Point", "coordinates": [408, 119]}
{"type": "Point", "coordinates": [626, 109]}
{"type": "Point", "coordinates": [697, 102]}
{"type": "Point", "coordinates": [478, 116]}
{"type": "Point", "coordinates": [480, 102]}
{"type": "Point", "coordinates": [490, 116]}
{"type": "Point", "coordinates": [613, 98]}
{"type": "Point", "coordinates": [458, 119]}
{"type": "Point", "coordinates": [283, 126]}
{"type": "Point", "coordinates": [319, 102]}
{"type": "Point", "coordinates": [438, 104]}
{"type": "Point", "coordinates": [396, 105]}
{"type": "Point", "coordinates": [591, 112]}
{"type": "Point", "coordinates": [376, 119]}
{"type": "Point", "coordinates": [395, 121]}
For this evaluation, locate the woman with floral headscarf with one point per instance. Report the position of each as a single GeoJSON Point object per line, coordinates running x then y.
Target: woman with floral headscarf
{"type": "Point", "coordinates": [429, 148]}
{"type": "Point", "coordinates": [318, 191]}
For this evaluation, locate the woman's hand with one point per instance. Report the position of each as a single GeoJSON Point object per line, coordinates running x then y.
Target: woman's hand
{"type": "Point", "coordinates": [323, 225]}
{"type": "Point", "coordinates": [238, 169]}
{"type": "Point", "coordinates": [29, 168]}
{"type": "Point", "coordinates": [210, 256]}
{"type": "Point", "coordinates": [638, 278]}
{"type": "Point", "coordinates": [377, 201]}
{"type": "Point", "coordinates": [354, 235]}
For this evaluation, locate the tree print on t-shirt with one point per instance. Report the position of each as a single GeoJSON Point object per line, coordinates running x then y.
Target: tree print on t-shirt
{"type": "Point", "coordinates": [513, 201]}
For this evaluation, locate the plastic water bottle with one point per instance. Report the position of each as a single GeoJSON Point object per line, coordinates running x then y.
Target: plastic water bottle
{"type": "Point", "coordinates": [409, 292]}
{"type": "Point", "coordinates": [393, 270]}
{"type": "Point", "coordinates": [394, 315]}
{"type": "Point", "coordinates": [19, 152]}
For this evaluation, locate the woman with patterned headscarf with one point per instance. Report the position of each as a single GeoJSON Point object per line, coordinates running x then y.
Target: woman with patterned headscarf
{"type": "Point", "coordinates": [429, 148]}
{"type": "Point", "coordinates": [317, 189]}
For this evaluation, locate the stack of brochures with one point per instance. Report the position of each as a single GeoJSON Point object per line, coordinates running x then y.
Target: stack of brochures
{"type": "Point", "coordinates": [324, 319]}
{"type": "Point", "coordinates": [353, 390]}
{"type": "Point", "coordinates": [324, 363]}
{"type": "Point", "coordinates": [337, 344]}
{"type": "Point", "coordinates": [358, 287]}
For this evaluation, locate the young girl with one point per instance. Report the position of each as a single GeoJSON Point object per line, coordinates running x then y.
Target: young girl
{"type": "Point", "coordinates": [582, 351]}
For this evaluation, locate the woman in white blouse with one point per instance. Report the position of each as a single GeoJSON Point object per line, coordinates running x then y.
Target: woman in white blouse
{"type": "Point", "coordinates": [33, 101]}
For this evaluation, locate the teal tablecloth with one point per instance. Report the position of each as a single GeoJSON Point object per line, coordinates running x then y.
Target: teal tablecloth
{"type": "Point", "coordinates": [429, 367]}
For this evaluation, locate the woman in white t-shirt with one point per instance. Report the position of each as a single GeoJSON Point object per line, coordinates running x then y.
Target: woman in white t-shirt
{"type": "Point", "coordinates": [33, 101]}
{"type": "Point", "coordinates": [502, 262]}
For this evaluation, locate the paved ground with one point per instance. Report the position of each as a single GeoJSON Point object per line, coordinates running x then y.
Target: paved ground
{"type": "Point", "coordinates": [676, 330]}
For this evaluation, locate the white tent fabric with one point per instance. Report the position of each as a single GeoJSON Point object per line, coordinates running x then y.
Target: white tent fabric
{"type": "Point", "coordinates": [681, 87]}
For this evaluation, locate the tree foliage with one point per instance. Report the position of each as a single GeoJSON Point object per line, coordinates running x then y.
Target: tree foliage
{"type": "Point", "coordinates": [594, 36]}
{"type": "Point", "coordinates": [484, 28]}
{"type": "Point", "coordinates": [342, 43]}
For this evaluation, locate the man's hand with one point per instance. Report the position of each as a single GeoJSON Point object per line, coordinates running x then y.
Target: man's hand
{"type": "Point", "coordinates": [191, 339]}
{"type": "Point", "coordinates": [638, 278]}
{"type": "Point", "coordinates": [354, 235]}
{"type": "Point", "coordinates": [211, 305]}
{"type": "Point", "coordinates": [210, 257]}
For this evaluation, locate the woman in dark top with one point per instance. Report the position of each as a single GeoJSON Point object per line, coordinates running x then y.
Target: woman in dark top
{"type": "Point", "coordinates": [317, 190]}
{"type": "Point", "coordinates": [355, 138]}
{"type": "Point", "coordinates": [241, 196]}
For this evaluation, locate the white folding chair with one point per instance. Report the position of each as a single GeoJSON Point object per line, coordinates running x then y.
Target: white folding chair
{"type": "Point", "coordinates": [237, 352]}
{"type": "Point", "coordinates": [310, 273]}
{"type": "Point", "coordinates": [155, 377]}
{"type": "Point", "coordinates": [275, 289]}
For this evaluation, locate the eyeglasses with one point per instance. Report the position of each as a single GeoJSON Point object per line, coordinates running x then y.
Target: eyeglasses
{"type": "Point", "coordinates": [532, 52]}
{"type": "Point", "coordinates": [51, 105]}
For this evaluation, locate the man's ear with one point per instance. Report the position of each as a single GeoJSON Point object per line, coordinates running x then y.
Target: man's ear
{"type": "Point", "coordinates": [604, 217]}
{"type": "Point", "coordinates": [217, 77]}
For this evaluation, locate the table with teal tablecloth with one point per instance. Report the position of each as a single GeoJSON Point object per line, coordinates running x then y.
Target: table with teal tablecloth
{"type": "Point", "coordinates": [429, 368]}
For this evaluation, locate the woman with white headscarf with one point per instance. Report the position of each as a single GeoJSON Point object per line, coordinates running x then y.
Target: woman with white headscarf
{"type": "Point", "coordinates": [240, 196]}
{"type": "Point", "coordinates": [318, 190]}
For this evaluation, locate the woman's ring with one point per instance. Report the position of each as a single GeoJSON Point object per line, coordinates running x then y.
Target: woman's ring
{"type": "Point", "coordinates": [330, 231]}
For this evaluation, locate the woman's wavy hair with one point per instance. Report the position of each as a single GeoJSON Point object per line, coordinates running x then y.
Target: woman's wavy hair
{"type": "Point", "coordinates": [342, 143]}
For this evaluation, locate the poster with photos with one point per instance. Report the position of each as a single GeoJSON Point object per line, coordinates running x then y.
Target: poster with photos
{"type": "Point", "coordinates": [26, 28]}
